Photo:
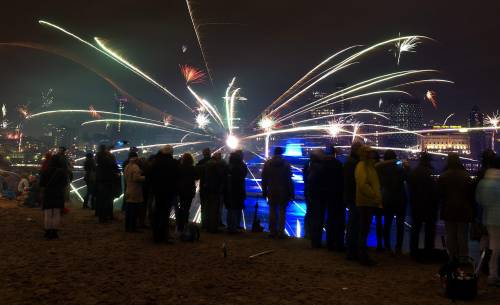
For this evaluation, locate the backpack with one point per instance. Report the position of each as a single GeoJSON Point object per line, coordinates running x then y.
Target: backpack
{"type": "Point", "coordinates": [191, 233]}
{"type": "Point", "coordinates": [459, 279]}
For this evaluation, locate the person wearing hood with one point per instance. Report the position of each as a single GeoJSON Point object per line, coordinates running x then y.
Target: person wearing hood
{"type": "Point", "coordinates": [456, 191]}
{"type": "Point", "coordinates": [488, 196]}
{"type": "Point", "coordinates": [235, 190]}
{"type": "Point", "coordinates": [215, 180]}
{"type": "Point", "coordinates": [350, 201]}
{"type": "Point", "coordinates": [90, 169]}
{"type": "Point", "coordinates": [200, 173]}
{"type": "Point", "coordinates": [392, 180]}
{"type": "Point", "coordinates": [134, 179]}
{"type": "Point", "coordinates": [107, 174]}
{"type": "Point", "coordinates": [325, 188]}
{"type": "Point", "coordinates": [423, 204]}
{"type": "Point", "coordinates": [368, 199]}
{"type": "Point", "coordinates": [277, 187]}
{"type": "Point", "coordinates": [54, 182]}
{"type": "Point", "coordinates": [187, 190]}
{"type": "Point", "coordinates": [164, 181]}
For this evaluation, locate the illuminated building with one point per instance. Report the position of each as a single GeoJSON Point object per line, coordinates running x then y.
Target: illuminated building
{"type": "Point", "coordinates": [446, 142]}
{"type": "Point", "coordinates": [405, 113]}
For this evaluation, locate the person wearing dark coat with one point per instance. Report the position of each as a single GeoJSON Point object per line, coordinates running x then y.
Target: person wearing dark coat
{"type": "Point", "coordinates": [200, 172]}
{"type": "Point", "coordinates": [325, 189]}
{"type": "Point", "coordinates": [107, 175]}
{"type": "Point", "coordinates": [423, 204]}
{"type": "Point", "coordinates": [187, 190]}
{"type": "Point", "coordinates": [278, 188]}
{"type": "Point", "coordinates": [456, 192]}
{"type": "Point", "coordinates": [307, 197]}
{"type": "Point", "coordinates": [235, 190]}
{"type": "Point", "coordinates": [54, 182]}
{"type": "Point", "coordinates": [90, 180]}
{"type": "Point", "coordinates": [350, 201]}
{"type": "Point", "coordinates": [164, 180]}
{"type": "Point", "coordinates": [392, 181]}
{"type": "Point", "coordinates": [215, 180]}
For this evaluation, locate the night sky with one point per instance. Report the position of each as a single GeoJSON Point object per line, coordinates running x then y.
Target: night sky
{"type": "Point", "coordinates": [267, 45]}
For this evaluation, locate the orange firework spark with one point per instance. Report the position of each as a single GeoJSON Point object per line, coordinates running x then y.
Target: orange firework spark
{"type": "Point", "coordinates": [23, 110]}
{"type": "Point", "coordinates": [431, 96]}
{"type": "Point", "coordinates": [94, 112]}
{"type": "Point", "coordinates": [193, 75]}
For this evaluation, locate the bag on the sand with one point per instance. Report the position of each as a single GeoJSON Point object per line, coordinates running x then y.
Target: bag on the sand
{"type": "Point", "coordinates": [459, 279]}
{"type": "Point", "coordinates": [191, 233]}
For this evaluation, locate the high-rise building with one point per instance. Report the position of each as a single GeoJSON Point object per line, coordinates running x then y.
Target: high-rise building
{"type": "Point", "coordinates": [477, 137]}
{"type": "Point", "coordinates": [405, 113]}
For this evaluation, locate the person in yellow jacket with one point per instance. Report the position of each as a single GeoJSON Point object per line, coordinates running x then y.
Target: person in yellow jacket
{"type": "Point", "coordinates": [368, 198]}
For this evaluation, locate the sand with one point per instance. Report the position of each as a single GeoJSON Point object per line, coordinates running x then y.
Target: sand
{"type": "Point", "coordinates": [101, 264]}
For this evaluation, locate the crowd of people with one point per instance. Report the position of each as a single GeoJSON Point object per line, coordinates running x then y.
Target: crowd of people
{"type": "Point", "coordinates": [365, 185]}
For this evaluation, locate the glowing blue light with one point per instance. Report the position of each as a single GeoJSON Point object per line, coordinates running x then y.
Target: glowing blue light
{"type": "Point", "coordinates": [293, 150]}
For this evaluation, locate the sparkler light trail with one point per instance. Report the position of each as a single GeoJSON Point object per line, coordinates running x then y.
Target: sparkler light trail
{"type": "Point", "coordinates": [431, 96]}
{"type": "Point", "coordinates": [196, 32]}
{"type": "Point", "coordinates": [192, 75]}
{"type": "Point", "coordinates": [208, 107]}
{"type": "Point", "coordinates": [136, 70]}
{"type": "Point", "coordinates": [447, 118]}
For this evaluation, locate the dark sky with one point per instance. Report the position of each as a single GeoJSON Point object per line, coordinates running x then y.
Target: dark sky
{"type": "Point", "coordinates": [266, 44]}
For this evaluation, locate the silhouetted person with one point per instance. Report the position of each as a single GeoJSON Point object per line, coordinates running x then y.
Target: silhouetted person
{"type": "Point", "coordinates": [235, 190]}
{"type": "Point", "coordinates": [307, 197]}
{"type": "Point", "coordinates": [277, 187]}
{"type": "Point", "coordinates": [457, 205]}
{"type": "Point", "coordinates": [392, 179]}
{"type": "Point", "coordinates": [107, 173]}
{"type": "Point", "coordinates": [54, 182]}
{"type": "Point", "coordinates": [200, 170]}
{"type": "Point", "coordinates": [134, 179]}
{"type": "Point", "coordinates": [488, 196]}
{"type": "Point", "coordinates": [164, 180]}
{"type": "Point", "coordinates": [368, 199]}
{"type": "Point", "coordinates": [423, 204]}
{"type": "Point", "coordinates": [350, 201]}
{"type": "Point", "coordinates": [90, 180]}
{"type": "Point", "coordinates": [187, 190]}
{"type": "Point", "coordinates": [215, 179]}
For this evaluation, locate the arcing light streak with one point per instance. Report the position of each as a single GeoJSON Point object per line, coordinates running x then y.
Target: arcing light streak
{"type": "Point", "coordinates": [421, 81]}
{"type": "Point", "coordinates": [136, 70]}
{"type": "Point", "coordinates": [298, 84]}
{"type": "Point", "coordinates": [141, 123]}
{"type": "Point", "coordinates": [345, 115]}
{"type": "Point", "coordinates": [43, 113]}
{"type": "Point", "coordinates": [226, 99]}
{"type": "Point", "coordinates": [447, 118]}
{"type": "Point", "coordinates": [210, 109]}
{"type": "Point", "coordinates": [202, 50]}
{"type": "Point", "coordinates": [407, 45]}
{"type": "Point", "coordinates": [304, 109]}
{"type": "Point", "coordinates": [231, 110]}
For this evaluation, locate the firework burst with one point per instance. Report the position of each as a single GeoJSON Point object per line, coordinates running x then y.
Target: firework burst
{"type": "Point", "coordinates": [335, 127]}
{"type": "Point", "coordinates": [23, 110]}
{"type": "Point", "coordinates": [192, 75]}
{"type": "Point", "coordinates": [405, 46]}
{"type": "Point", "coordinates": [202, 120]}
{"type": "Point", "coordinates": [431, 96]}
{"type": "Point", "coordinates": [93, 113]}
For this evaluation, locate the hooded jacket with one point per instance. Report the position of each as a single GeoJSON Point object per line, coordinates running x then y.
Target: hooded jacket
{"type": "Point", "coordinates": [367, 184]}
{"type": "Point", "coordinates": [133, 181]}
{"type": "Point", "coordinates": [488, 196]}
{"type": "Point", "coordinates": [277, 181]}
{"type": "Point", "coordinates": [457, 195]}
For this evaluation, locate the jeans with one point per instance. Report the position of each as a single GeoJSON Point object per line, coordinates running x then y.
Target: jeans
{"type": "Point", "coordinates": [352, 231]}
{"type": "Point", "coordinates": [494, 236]}
{"type": "Point", "coordinates": [182, 213]}
{"type": "Point", "coordinates": [317, 220]}
{"type": "Point", "coordinates": [365, 220]}
{"type": "Point", "coordinates": [233, 217]}
{"type": "Point", "coordinates": [429, 233]}
{"type": "Point", "coordinates": [161, 218]}
{"type": "Point", "coordinates": [457, 240]}
{"type": "Point", "coordinates": [277, 209]}
{"type": "Point", "coordinates": [389, 214]}
{"type": "Point", "coordinates": [335, 226]}
{"type": "Point", "coordinates": [131, 214]}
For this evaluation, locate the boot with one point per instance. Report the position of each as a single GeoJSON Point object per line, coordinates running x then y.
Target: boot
{"type": "Point", "coordinates": [54, 234]}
